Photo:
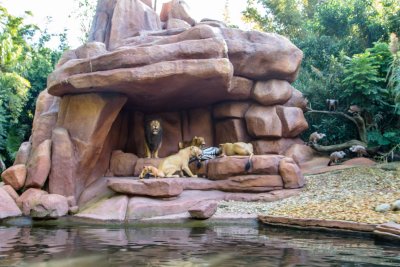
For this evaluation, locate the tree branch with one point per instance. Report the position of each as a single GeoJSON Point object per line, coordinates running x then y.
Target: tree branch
{"type": "Point", "coordinates": [356, 119]}
{"type": "Point", "coordinates": [338, 147]}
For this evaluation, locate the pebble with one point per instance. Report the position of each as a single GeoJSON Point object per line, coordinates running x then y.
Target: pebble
{"type": "Point", "coordinates": [383, 207]}
{"type": "Point", "coordinates": [396, 205]}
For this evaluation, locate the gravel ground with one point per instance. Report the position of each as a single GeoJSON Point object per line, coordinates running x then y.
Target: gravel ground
{"type": "Point", "coordinates": [349, 194]}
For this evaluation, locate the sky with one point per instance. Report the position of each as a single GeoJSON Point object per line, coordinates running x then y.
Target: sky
{"type": "Point", "coordinates": [60, 13]}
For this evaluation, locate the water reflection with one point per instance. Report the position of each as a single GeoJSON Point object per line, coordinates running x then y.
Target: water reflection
{"type": "Point", "coordinates": [203, 246]}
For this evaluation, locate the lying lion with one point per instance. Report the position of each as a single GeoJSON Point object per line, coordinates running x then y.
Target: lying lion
{"type": "Point", "coordinates": [179, 162]}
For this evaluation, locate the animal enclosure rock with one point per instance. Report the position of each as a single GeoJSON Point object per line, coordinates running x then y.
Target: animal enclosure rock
{"type": "Point", "coordinates": [203, 210]}
{"type": "Point", "coordinates": [15, 176]}
{"type": "Point", "coordinates": [150, 187]}
{"type": "Point", "coordinates": [8, 208]}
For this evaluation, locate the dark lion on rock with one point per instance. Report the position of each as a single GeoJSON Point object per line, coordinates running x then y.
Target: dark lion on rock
{"type": "Point", "coordinates": [153, 134]}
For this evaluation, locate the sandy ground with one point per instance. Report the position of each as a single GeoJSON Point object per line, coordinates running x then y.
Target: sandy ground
{"type": "Point", "coordinates": [349, 194]}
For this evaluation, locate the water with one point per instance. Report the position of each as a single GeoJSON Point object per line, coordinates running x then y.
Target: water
{"type": "Point", "coordinates": [212, 245]}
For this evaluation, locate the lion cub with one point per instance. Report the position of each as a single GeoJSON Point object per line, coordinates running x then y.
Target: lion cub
{"type": "Point", "coordinates": [180, 162]}
{"type": "Point", "coordinates": [149, 171]}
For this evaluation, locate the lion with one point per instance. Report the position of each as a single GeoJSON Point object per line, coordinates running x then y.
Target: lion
{"type": "Point", "coordinates": [151, 171]}
{"type": "Point", "coordinates": [196, 141]}
{"type": "Point", "coordinates": [153, 135]}
{"type": "Point", "coordinates": [179, 162]}
{"type": "Point", "coordinates": [240, 149]}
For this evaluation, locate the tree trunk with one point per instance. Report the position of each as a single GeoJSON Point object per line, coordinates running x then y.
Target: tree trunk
{"type": "Point", "coordinates": [338, 147]}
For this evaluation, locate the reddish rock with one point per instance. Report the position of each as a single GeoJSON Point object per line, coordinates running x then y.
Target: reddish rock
{"type": "Point", "coordinates": [169, 187]}
{"type": "Point", "coordinates": [15, 176]}
{"type": "Point", "coordinates": [274, 146]}
{"type": "Point", "coordinates": [113, 208]}
{"type": "Point", "coordinates": [291, 174]}
{"type": "Point", "coordinates": [8, 208]}
{"type": "Point", "coordinates": [179, 10]}
{"type": "Point", "coordinates": [177, 23]}
{"type": "Point", "coordinates": [141, 17]}
{"type": "Point", "coordinates": [254, 55]}
{"type": "Point", "coordinates": [65, 57]}
{"type": "Point", "coordinates": [23, 153]}
{"type": "Point", "coordinates": [39, 165]}
{"type": "Point", "coordinates": [198, 122]}
{"type": "Point", "coordinates": [95, 192]}
{"type": "Point", "coordinates": [29, 199]}
{"type": "Point", "coordinates": [263, 121]}
{"type": "Point", "coordinates": [172, 133]}
{"type": "Point", "coordinates": [200, 172]}
{"type": "Point", "coordinates": [300, 153]}
{"type": "Point", "coordinates": [183, 79]}
{"type": "Point", "coordinates": [43, 103]}
{"type": "Point", "coordinates": [44, 123]}
{"type": "Point", "coordinates": [231, 131]}
{"type": "Point", "coordinates": [100, 30]}
{"type": "Point", "coordinates": [132, 57]}
{"type": "Point", "coordinates": [150, 187]}
{"type": "Point", "coordinates": [141, 162]}
{"type": "Point", "coordinates": [228, 166]}
{"type": "Point", "coordinates": [240, 88]}
{"type": "Point", "coordinates": [203, 210]}
{"type": "Point", "coordinates": [297, 100]}
{"type": "Point", "coordinates": [96, 112]}
{"type": "Point", "coordinates": [63, 165]}
{"type": "Point", "coordinates": [231, 110]}
{"type": "Point", "coordinates": [213, 23]}
{"type": "Point", "coordinates": [141, 207]}
{"type": "Point", "coordinates": [264, 197]}
{"type": "Point", "coordinates": [11, 191]}
{"type": "Point", "coordinates": [272, 92]}
{"type": "Point", "coordinates": [90, 50]}
{"type": "Point", "coordinates": [293, 121]}
{"type": "Point", "coordinates": [122, 164]}
{"type": "Point", "coordinates": [50, 206]}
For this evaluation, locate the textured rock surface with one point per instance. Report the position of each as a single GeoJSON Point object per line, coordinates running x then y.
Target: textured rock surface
{"type": "Point", "coordinates": [8, 208]}
{"type": "Point", "coordinates": [29, 199]}
{"type": "Point", "coordinates": [300, 153]}
{"type": "Point", "coordinates": [224, 167]}
{"type": "Point", "coordinates": [152, 187]}
{"type": "Point", "coordinates": [231, 110]}
{"type": "Point", "coordinates": [203, 210]}
{"type": "Point", "coordinates": [39, 165]}
{"type": "Point", "coordinates": [50, 206]}
{"type": "Point", "coordinates": [113, 208]}
{"type": "Point", "coordinates": [23, 153]}
{"type": "Point", "coordinates": [274, 146]}
{"type": "Point", "coordinates": [95, 192]}
{"type": "Point", "coordinates": [230, 131]}
{"type": "Point", "coordinates": [11, 191]}
{"type": "Point", "coordinates": [63, 165]}
{"type": "Point", "coordinates": [272, 92]}
{"type": "Point", "coordinates": [291, 174]}
{"type": "Point", "coordinates": [15, 176]}
{"type": "Point", "coordinates": [263, 121]}
{"type": "Point", "coordinates": [293, 121]}
{"type": "Point", "coordinates": [122, 164]}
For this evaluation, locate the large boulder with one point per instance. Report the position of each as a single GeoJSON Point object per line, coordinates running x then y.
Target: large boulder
{"type": "Point", "coordinates": [222, 168]}
{"type": "Point", "coordinates": [108, 209]}
{"type": "Point", "coordinates": [272, 92]}
{"type": "Point", "coordinates": [39, 165]}
{"type": "Point", "coordinates": [122, 164]}
{"type": "Point", "coordinates": [151, 187]}
{"type": "Point", "coordinates": [231, 110]}
{"type": "Point", "coordinates": [180, 10]}
{"type": "Point", "coordinates": [203, 210]}
{"type": "Point", "coordinates": [15, 176]}
{"type": "Point", "coordinates": [263, 121]}
{"type": "Point", "coordinates": [50, 206]}
{"type": "Point", "coordinates": [291, 173]}
{"type": "Point", "coordinates": [293, 121]}
{"type": "Point", "coordinates": [274, 146]}
{"type": "Point", "coordinates": [11, 191]}
{"type": "Point", "coordinates": [8, 208]}
{"type": "Point", "coordinates": [96, 112]}
{"type": "Point", "coordinates": [181, 78]}
{"type": "Point", "coordinates": [29, 199]}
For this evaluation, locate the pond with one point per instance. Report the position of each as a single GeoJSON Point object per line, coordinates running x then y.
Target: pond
{"type": "Point", "coordinates": [188, 245]}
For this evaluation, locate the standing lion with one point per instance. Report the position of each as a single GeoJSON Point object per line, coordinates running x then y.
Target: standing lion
{"type": "Point", "coordinates": [153, 135]}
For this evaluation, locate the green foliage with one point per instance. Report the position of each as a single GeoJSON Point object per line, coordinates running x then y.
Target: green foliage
{"type": "Point", "coordinates": [346, 57]}
{"type": "Point", "coordinates": [24, 68]}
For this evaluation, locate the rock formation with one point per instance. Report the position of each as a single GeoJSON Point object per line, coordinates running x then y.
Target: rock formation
{"type": "Point", "coordinates": [204, 79]}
